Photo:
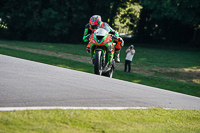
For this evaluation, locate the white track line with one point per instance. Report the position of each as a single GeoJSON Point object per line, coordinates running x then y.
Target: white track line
{"type": "Point", "coordinates": [84, 108]}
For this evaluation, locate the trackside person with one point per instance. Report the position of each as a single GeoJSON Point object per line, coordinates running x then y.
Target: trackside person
{"type": "Point", "coordinates": [129, 57]}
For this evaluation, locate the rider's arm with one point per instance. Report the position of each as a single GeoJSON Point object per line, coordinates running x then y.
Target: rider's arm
{"type": "Point", "coordinates": [114, 32]}
{"type": "Point", "coordinates": [86, 32]}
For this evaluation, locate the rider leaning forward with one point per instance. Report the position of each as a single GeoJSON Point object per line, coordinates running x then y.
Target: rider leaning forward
{"type": "Point", "coordinates": [96, 23]}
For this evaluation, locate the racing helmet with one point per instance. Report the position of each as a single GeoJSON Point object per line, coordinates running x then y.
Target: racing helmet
{"type": "Point", "coordinates": [95, 22]}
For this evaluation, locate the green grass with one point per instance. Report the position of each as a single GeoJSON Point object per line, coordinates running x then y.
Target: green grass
{"type": "Point", "coordinates": [167, 58]}
{"type": "Point", "coordinates": [144, 57]}
{"type": "Point", "coordinates": [155, 120]}
{"type": "Point", "coordinates": [54, 47]}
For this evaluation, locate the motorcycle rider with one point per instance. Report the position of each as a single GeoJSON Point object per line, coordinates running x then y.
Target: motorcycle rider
{"type": "Point", "coordinates": [96, 23]}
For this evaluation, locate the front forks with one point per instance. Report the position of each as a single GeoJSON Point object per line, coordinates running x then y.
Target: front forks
{"type": "Point", "coordinates": [106, 63]}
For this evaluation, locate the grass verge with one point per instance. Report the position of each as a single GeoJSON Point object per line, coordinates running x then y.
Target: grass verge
{"type": "Point", "coordinates": [155, 120]}
{"type": "Point", "coordinates": [174, 64]}
{"type": "Point", "coordinates": [186, 88]}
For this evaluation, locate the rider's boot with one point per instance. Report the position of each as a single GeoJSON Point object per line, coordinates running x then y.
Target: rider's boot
{"type": "Point", "coordinates": [117, 54]}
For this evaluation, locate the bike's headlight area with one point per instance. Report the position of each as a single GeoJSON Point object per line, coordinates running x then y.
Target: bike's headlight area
{"type": "Point", "coordinates": [99, 38]}
{"type": "Point", "coordinates": [110, 46]}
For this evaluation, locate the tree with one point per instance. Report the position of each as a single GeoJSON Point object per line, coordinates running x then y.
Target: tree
{"type": "Point", "coordinates": [175, 19]}
{"type": "Point", "coordinates": [128, 16]}
{"type": "Point", "coordinates": [52, 21]}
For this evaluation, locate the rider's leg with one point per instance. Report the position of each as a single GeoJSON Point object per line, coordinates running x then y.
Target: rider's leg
{"type": "Point", "coordinates": [118, 46]}
{"type": "Point", "coordinates": [117, 55]}
{"type": "Point", "coordinates": [88, 47]}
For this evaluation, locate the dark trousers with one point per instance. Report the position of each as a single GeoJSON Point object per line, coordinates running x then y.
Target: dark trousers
{"type": "Point", "coordinates": [127, 62]}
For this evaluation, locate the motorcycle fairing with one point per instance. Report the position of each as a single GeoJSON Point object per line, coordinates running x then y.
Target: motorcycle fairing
{"type": "Point", "coordinates": [102, 41]}
{"type": "Point", "coordinates": [100, 37]}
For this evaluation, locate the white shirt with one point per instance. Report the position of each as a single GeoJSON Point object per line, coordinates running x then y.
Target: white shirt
{"type": "Point", "coordinates": [129, 56]}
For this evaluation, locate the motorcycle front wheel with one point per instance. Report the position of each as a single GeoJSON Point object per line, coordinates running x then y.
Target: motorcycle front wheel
{"type": "Point", "coordinates": [109, 73]}
{"type": "Point", "coordinates": [98, 63]}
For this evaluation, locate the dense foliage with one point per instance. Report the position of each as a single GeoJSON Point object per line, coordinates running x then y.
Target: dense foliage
{"type": "Point", "coordinates": [52, 21]}
{"type": "Point", "coordinates": [175, 21]}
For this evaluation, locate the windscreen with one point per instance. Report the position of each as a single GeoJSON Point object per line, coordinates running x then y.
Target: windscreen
{"type": "Point", "coordinates": [106, 27]}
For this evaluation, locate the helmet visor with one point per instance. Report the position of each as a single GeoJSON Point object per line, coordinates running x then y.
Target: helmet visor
{"type": "Point", "coordinates": [94, 27]}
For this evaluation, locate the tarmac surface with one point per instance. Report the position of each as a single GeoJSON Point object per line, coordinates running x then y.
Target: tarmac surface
{"type": "Point", "coordinates": [26, 83]}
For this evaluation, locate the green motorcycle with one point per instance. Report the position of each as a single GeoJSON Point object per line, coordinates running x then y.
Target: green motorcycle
{"type": "Point", "coordinates": [102, 52]}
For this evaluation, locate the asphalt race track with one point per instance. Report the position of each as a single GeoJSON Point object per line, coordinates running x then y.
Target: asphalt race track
{"type": "Point", "coordinates": [26, 83]}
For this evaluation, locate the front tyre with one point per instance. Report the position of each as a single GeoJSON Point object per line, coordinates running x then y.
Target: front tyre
{"type": "Point", "coordinates": [98, 63]}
